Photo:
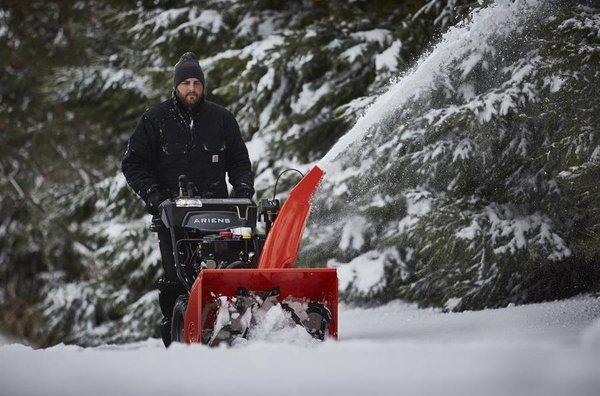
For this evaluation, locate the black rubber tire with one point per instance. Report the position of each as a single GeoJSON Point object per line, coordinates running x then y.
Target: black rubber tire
{"type": "Point", "coordinates": [178, 318]}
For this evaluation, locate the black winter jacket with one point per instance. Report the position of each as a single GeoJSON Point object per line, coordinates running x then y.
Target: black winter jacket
{"type": "Point", "coordinates": [203, 143]}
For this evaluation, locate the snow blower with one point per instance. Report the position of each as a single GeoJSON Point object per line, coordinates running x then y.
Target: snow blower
{"type": "Point", "coordinates": [234, 273]}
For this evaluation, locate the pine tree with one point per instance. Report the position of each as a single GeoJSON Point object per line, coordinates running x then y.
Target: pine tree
{"type": "Point", "coordinates": [477, 192]}
{"type": "Point", "coordinates": [475, 179]}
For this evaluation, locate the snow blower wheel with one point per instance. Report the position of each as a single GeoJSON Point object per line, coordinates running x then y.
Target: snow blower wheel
{"type": "Point", "coordinates": [177, 320]}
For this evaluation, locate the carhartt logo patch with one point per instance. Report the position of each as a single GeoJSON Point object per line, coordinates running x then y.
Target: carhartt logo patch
{"type": "Point", "coordinates": [216, 158]}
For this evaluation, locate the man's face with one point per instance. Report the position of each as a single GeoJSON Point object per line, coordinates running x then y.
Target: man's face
{"type": "Point", "coordinates": [189, 91]}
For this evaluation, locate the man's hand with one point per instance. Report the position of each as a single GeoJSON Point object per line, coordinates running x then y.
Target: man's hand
{"type": "Point", "coordinates": [152, 201]}
{"type": "Point", "coordinates": [242, 192]}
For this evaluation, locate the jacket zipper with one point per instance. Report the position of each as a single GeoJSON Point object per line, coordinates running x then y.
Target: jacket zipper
{"type": "Point", "coordinates": [191, 141]}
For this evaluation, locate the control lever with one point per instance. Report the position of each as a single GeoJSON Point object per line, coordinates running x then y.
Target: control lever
{"type": "Point", "coordinates": [267, 211]}
{"type": "Point", "coordinates": [191, 189]}
{"type": "Point", "coordinates": [181, 183]}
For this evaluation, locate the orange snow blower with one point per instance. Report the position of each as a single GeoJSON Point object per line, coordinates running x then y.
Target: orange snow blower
{"type": "Point", "coordinates": [221, 258]}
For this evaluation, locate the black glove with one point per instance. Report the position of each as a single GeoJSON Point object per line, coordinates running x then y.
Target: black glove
{"type": "Point", "coordinates": [154, 199]}
{"type": "Point", "coordinates": [242, 192]}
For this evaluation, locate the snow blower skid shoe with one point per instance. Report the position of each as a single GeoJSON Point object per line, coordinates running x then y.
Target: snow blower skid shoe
{"type": "Point", "coordinates": [224, 300]}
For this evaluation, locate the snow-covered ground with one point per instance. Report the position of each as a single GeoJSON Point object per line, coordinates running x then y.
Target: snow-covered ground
{"type": "Point", "coordinates": [542, 349]}
{"type": "Point", "coordinates": [5, 339]}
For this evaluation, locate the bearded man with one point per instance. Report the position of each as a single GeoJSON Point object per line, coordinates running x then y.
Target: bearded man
{"type": "Point", "coordinates": [185, 135]}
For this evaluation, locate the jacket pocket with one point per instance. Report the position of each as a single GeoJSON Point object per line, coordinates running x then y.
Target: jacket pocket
{"type": "Point", "coordinates": [214, 156]}
{"type": "Point", "coordinates": [173, 148]}
{"type": "Point", "coordinates": [174, 154]}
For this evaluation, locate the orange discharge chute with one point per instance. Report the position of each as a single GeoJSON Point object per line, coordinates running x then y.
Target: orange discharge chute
{"type": "Point", "coordinates": [275, 268]}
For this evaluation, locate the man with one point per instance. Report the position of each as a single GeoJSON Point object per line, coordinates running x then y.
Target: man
{"type": "Point", "coordinates": [185, 135]}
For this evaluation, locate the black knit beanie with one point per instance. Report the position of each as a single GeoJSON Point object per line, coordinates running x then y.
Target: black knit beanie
{"type": "Point", "coordinates": [187, 67]}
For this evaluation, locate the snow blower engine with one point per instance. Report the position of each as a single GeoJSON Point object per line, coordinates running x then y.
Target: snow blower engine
{"type": "Point", "coordinates": [235, 260]}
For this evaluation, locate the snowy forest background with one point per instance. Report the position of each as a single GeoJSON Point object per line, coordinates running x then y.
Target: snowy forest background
{"type": "Point", "coordinates": [477, 186]}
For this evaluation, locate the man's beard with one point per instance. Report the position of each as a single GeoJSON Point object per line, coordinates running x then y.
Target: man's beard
{"type": "Point", "coordinates": [189, 100]}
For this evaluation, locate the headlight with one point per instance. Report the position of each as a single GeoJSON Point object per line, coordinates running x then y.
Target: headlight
{"type": "Point", "coordinates": [188, 202]}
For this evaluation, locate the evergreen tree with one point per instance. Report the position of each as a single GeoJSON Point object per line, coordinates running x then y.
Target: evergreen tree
{"type": "Point", "coordinates": [476, 192]}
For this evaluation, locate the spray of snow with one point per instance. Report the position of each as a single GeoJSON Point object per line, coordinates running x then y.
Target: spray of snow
{"type": "Point", "coordinates": [277, 326]}
{"type": "Point", "coordinates": [497, 20]}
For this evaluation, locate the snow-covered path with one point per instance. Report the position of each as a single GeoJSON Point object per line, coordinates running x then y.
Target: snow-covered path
{"type": "Point", "coordinates": [542, 349]}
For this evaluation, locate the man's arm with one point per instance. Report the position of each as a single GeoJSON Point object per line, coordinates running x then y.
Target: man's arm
{"type": "Point", "coordinates": [139, 159]}
{"type": "Point", "coordinates": [238, 163]}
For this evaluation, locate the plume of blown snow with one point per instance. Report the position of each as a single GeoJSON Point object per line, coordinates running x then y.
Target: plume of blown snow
{"type": "Point", "coordinates": [484, 24]}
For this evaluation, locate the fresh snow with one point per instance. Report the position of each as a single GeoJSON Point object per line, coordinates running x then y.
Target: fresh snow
{"type": "Point", "coordinates": [540, 349]}
{"type": "Point", "coordinates": [388, 59]}
{"type": "Point", "coordinates": [257, 51]}
{"type": "Point", "coordinates": [309, 97]}
{"type": "Point", "coordinates": [380, 36]}
{"type": "Point", "coordinates": [353, 52]}
{"type": "Point", "coordinates": [4, 339]}
{"type": "Point", "coordinates": [364, 272]}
